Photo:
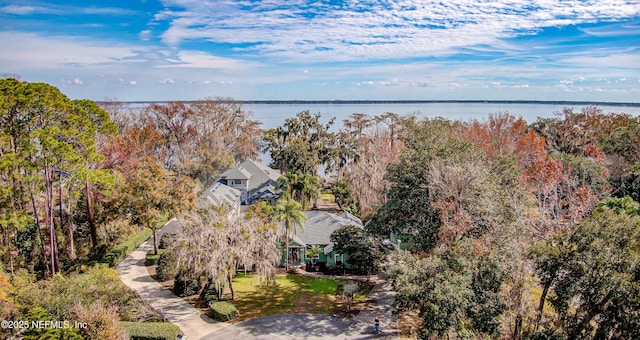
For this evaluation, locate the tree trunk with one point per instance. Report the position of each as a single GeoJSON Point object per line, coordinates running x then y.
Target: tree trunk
{"type": "Point", "coordinates": [49, 220]}
{"type": "Point", "coordinates": [8, 240]}
{"type": "Point", "coordinates": [55, 250]}
{"type": "Point", "coordinates": [543, 297]}
{"type": "Point", "coordinates": [203, 292]}
{"type": "Point", "coordinates": [286, 252]}
{"type": "Point", "coordinates": [71, 250]}
{"type": "Point", "coordinates": [518, 327]}
{"type": "Point", "coordinates": [35, 216]}
{"type": "Point", "coordinates": [91, 218]}
{"type": "Point", "coordinates": [229, 279]}
{"type": "Point", "coordinates": [155, 243]}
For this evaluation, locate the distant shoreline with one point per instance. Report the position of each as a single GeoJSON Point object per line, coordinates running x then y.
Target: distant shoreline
{"type": "Point", "coordinates": [374, 102]}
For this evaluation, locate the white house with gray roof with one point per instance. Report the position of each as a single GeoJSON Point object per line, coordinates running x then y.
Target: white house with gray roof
{"type": "Point", "coordinates": [255, 181]}
{"type": "Point", "coordinates": [317, 231]}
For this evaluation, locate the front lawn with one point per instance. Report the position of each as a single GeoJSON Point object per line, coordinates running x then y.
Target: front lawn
{"type": "Point", "coordinates": [293, 294]}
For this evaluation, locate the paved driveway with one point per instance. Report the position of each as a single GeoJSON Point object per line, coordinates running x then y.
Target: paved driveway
{"type": "Point", "coordinates": [301, 326]}
{"type": "Point", "coordinates": [196, 326]}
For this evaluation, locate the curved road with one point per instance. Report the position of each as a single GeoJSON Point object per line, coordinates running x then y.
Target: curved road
{"type": "Point", "coordinates": [194, 325]}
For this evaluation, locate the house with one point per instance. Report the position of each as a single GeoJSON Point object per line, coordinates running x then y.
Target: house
{"type": "Point", "coordinates": [317, 231]}
{"type": "Point", "coordinates": [219, 194]}
{"type": "Point", "coordinates": [255, 181]}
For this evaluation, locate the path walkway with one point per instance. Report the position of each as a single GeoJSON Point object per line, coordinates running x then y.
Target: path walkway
{"type": "Point", "coordinates": [134, 274]}
{"type": "Point", "coordinates": [196, 326]}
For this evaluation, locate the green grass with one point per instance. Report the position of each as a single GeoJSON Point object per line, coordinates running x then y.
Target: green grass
{"type": "Point", "coordinates": [327, 195]}
{"type": "Point", "coordinates": [120, 251]}
{"type": "Point", "coordinates": [152, 258]}
{"type": "Point", "coordinates": [293, 294]}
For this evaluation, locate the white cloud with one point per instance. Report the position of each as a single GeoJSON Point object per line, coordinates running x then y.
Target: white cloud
{"type": "Point", "coordinates": [133, 82]}
{"type": "Point", "coordinates": [627, 60]}
{"type": "Point", "coordinates": [107, 11]}
{"type": "Point", "coordinates": [297, 31]}
{"type": "Point", "coordinates": [145, 35]}
{"type": "Point", "coordinates": [25, 10]}
{"type": "Point", "coordinates": [75, 81]}
{"type": "Point", "coordinates": [203, 60]}
{"type": "Point", "coordinates": [64, 9]}
{"type": "Point", "coordinates": [29, 50]}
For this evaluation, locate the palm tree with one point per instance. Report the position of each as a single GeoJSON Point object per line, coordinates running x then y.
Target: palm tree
{"type": "Point", "coordinates": [312, 252]}
{"type": "Point", "coordinates": [289, 213]}
{"type": "Point", "coordinates": [288, 183]}
{"type": "Point", "coordinates": [310, 189]}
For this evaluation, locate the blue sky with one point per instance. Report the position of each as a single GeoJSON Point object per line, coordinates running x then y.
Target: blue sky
{"type": "Point", "coordinates": [327, 50]}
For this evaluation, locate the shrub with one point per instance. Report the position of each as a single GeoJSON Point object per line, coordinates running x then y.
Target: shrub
{"type": "Point", "coordinates": [211, 295]}
{"type": "Point", "coordinates": [166, 269]}
{"type": "Point", "coordinates": [100, 322]}
{"type": "Point", "coordinates": [186, 286]}
{"type": "Point", "coordinates": [152, 258]}
{"type": "Point", "coordinates": [348, 291]}
{"type": "Point", "coordinates": [150, 330]}
{"type": "Point", "coordinates": [36, 333]}
{"type": "Point", "coordinates": [167, 240]}
{"type": "Point", "coordinates": [223, 310]}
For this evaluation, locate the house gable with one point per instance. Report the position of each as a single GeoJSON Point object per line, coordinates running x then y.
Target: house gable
{"type": "Point", "coordinates": [219, 194]}
{"type": "Point", "coordinates": [256, 181]}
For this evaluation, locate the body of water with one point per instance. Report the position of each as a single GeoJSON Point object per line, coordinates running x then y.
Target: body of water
{"type": "Point", "coordinates": [272, 115]}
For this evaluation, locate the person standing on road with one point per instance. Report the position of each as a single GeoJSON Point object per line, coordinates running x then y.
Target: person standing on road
{"type": "Point", "coordinates": [377, 325]}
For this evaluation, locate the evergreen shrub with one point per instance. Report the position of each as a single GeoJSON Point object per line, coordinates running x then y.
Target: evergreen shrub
{"type": "Point", "coordinates": [166, 269]}
{"type": "Point", "coordinates": [223, 310]}
{"type": "Point", "coordinates": [150, 330]}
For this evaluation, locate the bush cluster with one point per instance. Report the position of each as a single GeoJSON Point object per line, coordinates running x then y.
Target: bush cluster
{"type": "Point", "coordinates": [150, 330]}
{"type": "Point", "coordinates": [166, 269]}
{"type": "Point", "coordinates": [223, 310]}
{"type": "Point", "coordinates": [167, 240]}
{"type": "Point", "coordinates": [186, 287]}
{"type": "Point", "coordinates": [211, 295]}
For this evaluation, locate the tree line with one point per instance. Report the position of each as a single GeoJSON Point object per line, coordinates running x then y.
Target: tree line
{"type": "Point", "coordinates": [77, 178]}
{"type": "Point", "coordinates": [499, 211]}
{"type": "Point", "coordinates": [512, 229]}
{"type": "Point", "coordinates": [523, 230]}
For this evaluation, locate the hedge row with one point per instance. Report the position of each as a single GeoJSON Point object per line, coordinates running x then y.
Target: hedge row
{"type": "Point", "coordinates": [150, 330]}
{"type": "Point", "coordinates": [117, 253]}
{"type": "Point", "coordinates": [223, 310]}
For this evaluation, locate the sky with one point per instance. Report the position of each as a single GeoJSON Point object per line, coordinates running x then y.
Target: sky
{"type": "Point", "coordinates": [146, 50]}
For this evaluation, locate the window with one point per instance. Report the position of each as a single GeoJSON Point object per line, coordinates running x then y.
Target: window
{"type": "Point", "coordinates": [237, 181]}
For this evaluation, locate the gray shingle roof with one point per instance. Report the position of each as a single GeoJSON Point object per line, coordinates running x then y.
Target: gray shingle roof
{"type": "Point", "coordinates": [236, 173]}
{"type": "Point", "coordinates": [261, 179]}
{"type": "Point", "coordinates": [261, 175]}
{"type": "Point", "coordinates": [219, 193]}
{"type": "Point", "coordinates": [320, 224]}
